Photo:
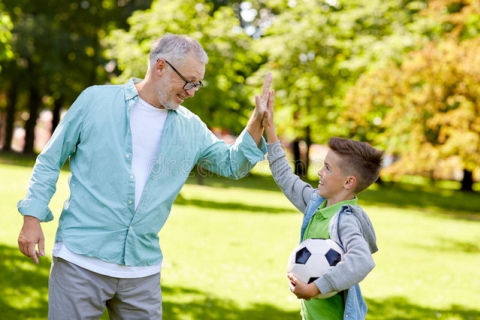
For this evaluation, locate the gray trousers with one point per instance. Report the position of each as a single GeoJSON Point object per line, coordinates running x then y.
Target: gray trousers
{"type": "Point", "coordinates": [77, 293]}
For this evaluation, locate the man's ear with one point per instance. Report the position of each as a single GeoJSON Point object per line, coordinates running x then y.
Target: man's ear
{"type": "Point", "coordinates": [350, 183]}
{"type": "Point", "coordinates": [160, 67]}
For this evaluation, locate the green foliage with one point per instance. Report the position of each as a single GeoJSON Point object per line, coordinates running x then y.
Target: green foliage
{"type": "Point", "coordinates": [459, 19]}
{"type": "Point", "coordinates": [317, 50]}
{"type": "Point", "coordinates": [425, 109]}
{"type": "Point", "coordinates": [5, 36]}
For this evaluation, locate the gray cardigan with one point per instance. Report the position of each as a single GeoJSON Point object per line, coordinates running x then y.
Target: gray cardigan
{"type": "Point", "coordinates": [350, 227]}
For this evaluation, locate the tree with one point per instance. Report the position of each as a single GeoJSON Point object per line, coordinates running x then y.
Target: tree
{"type": "Point", "coordinates": [318, 49]}
{"type": "Point", "coordinates": [5, 55]}
{"type": "Point", "coordinates": [428, 108]}
{"type": "Point", "coordinates": [58, 51]}
{"type": "Point", "coordinates": [5, 35]}
{"type": "Point", "coordinates": [458, 19]}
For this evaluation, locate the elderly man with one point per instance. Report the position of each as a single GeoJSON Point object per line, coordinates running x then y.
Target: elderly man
{"type": "Point", "coordinates": [131, 149]}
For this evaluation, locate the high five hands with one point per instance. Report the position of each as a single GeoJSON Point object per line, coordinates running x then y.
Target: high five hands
{"type": "Point", "coordinates": [264, 106]}
{"type": "Point", "coordinates": [261, 101]}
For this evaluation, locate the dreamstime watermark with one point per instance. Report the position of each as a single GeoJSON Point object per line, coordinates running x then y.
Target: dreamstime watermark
{"type": "Point", "coordinates": [204, 168]}
{"type": "Point", "coordinates": [263, 168]}
{"type": "Point", "coordinates": [227, 168]}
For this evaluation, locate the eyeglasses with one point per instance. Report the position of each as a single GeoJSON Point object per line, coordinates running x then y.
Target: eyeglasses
{"type": "Point", "coordinates": [188, 84]}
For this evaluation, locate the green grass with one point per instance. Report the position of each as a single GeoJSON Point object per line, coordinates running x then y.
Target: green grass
{"type": "Point", "coordinates": [226, 245]}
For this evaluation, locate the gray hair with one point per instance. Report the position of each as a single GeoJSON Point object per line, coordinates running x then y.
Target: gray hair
{"type": "Point", "coordinates": [176, 48]}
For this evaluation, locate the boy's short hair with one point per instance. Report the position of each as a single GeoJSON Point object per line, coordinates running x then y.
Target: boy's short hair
{"type": "Point", "coordinates": [358, 159]}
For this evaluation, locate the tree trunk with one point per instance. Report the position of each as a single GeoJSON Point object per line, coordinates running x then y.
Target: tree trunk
{"type": "Point", "coordinates": [3, 116]}
{"type": "Point", "coordinates": [57, 107]}
{"type": "Point", "coordinates": [467, 181]}
{"type": "Point", "coordinates": [34, 105]}
{"type": "Point", "coordinates": [308, 141]}
{"type": "Point", "coordinates": [299, 167]}
{"type": "Point", "coordinates": [10, 121]}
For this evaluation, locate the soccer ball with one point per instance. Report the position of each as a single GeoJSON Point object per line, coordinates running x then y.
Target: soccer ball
{"type": "Point", "coordinates": [312, 258]}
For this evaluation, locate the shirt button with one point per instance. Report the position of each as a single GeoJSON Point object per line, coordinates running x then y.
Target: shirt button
{"type": "Point", "coordinates": [130, 202]}
{"type": "Point", "coordinates": [131, 176]}
{"type": "Point", "coordinates": [131, 228]}
{"type": "Point", "coordinates": [127, 156]}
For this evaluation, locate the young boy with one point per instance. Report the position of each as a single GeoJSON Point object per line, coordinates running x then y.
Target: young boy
{"type": "Point", "coordinates": [331, 211]}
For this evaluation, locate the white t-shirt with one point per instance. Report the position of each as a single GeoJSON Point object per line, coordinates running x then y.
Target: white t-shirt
{"type": "Point", "coordinates": [147, 123]}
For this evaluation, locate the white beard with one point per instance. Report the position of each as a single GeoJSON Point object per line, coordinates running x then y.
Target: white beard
{"type": "Point", "coordinates": [163, 96]}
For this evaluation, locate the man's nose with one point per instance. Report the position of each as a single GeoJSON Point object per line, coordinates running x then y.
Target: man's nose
{"type": "Point", "coordinates": [191, 92]}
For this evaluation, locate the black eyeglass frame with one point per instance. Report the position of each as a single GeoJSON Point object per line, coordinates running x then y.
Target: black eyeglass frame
{"type": "Point", "coordinates": [188, 84]}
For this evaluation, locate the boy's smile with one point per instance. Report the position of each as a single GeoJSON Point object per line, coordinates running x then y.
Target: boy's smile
{"type": "Point", "coordinates": [320, 182]}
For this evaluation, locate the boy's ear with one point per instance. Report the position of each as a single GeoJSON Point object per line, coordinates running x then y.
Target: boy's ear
{"type": "Point", "coordinates": [350, 183]}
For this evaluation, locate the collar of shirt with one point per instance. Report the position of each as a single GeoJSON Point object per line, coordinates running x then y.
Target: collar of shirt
{"type": "Point", "coordinates": [328, 212]}
{"type": "Point", "coordinates": [131, 93]}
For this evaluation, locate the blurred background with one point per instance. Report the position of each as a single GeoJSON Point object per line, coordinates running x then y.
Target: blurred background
{"type": "Point", "coordinates": [403, 75]}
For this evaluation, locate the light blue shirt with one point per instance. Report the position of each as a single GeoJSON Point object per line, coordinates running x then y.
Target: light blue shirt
{"type": "Point", "coordinates": [99, 218]}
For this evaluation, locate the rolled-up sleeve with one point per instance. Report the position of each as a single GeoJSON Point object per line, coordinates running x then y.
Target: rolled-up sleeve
{"type": "Point", "coordinates": [232, 161]}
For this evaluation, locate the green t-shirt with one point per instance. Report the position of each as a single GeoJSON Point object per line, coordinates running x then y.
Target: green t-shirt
{"type": "Point", "coordinates": [331, 308]}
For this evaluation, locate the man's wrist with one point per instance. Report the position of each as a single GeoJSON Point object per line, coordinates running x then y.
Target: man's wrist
{"type": "Point", "coordinates": [27, 218]}
{"type": "Point", "coordinates": [256, 119]}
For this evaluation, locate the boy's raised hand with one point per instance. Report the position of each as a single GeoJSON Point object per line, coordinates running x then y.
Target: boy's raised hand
{"type": "Point", "coordinates": [301, 289]}
{"type": "Point", "coordinates": [267, 121]}
{"type": "Point", "coordinates": [254, 125]}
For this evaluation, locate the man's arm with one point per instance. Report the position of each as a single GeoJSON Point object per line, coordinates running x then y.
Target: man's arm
{"type": "Point", "coordinates": [42, 186]}
{"type": "Point", "coordinates": [254, 126]}
{"type": "Point", "coordinates": [235, 161]}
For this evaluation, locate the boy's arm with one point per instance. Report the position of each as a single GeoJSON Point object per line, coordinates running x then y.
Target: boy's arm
{"type": "Point", "coordinates": [357, 261]}
{"type": "Point", "coordinates": [267, 121]}
{"type": "Point", "coordinates": [296, 190]}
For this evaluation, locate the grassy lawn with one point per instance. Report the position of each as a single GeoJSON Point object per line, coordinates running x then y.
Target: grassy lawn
{"type": "Point", "coordinates": [227, 242]}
